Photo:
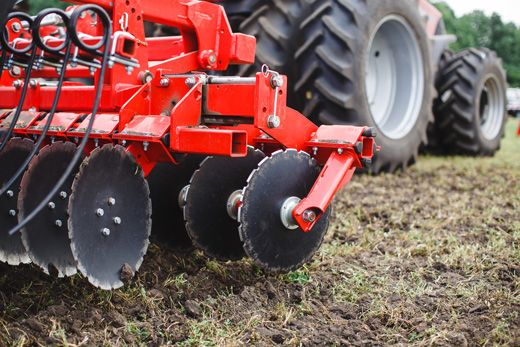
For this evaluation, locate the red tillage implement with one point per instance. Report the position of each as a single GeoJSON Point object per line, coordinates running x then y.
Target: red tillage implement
{"type": "Point", "coordinates": [98, 121]}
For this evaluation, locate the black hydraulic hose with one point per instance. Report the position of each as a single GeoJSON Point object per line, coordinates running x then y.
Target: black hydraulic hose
{"type": "Point", "coordinates": [107, 34]}
{"type": "Point", "coordinates": [40, 44]}
{"type": "Point", "coordinates": [4, 40]}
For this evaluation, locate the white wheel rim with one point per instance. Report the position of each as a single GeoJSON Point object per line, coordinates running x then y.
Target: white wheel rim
{"type": "Point", "coordinates": [394, 78]}
{"type": "Point", "coordinates": [491, 108]}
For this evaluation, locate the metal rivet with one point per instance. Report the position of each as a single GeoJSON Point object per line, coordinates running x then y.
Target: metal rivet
{"type": "Point", "coordinates": [105, 231]}
{"type": "Point", "coordinates": [51, 205]}
{"type": "Point", "coordinates": [63, 195]}
{"type": "Point", "coordinates": [117, 220]}
{"type": "Point", "coordinates": [10, 193]}
{"type": "Point", "coordinates": [111, 201]}
{"type": "Point", "coordinates": [100, 212]}
{"type": "Point", "coordinates": [58, 223]}
{"type": "Point", "coordinates": [340, 150]}
{"type": "Point", "coordinates": [12, 213]}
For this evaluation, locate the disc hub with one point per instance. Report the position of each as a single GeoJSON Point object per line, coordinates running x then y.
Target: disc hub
{"type": "Point", "coordinates": [286, 212]}
{"type": "Point", "coordinates": [233, 204]}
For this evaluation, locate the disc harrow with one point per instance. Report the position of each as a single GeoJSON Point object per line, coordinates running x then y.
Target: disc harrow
{"type": "Point", "coordinates": [98, 121]}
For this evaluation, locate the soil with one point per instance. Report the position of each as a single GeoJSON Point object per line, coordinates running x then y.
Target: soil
{"type": "Point", "coordinates": [426, 257]}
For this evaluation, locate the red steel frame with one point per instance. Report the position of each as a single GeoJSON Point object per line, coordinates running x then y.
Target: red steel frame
{"type": "Point", "coordinates": [163, 108]}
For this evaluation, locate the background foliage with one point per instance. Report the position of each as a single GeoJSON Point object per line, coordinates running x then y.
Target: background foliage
{"type": "Point", "coordinates": [479, 30]}
{"type": "Point", "coordinates": [473, 30]}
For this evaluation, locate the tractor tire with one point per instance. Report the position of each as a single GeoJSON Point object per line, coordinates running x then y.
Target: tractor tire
{"type": "Point", "coordinates": [368, 63]}
{"type": "Point", "coordinates": [239, 11]}
{"type": "Point", "coordinates": [276, 26]}
{"type": "Point", "coordinates": [434, 145]}
{"type": "Point", "coordinates": [470, 111]}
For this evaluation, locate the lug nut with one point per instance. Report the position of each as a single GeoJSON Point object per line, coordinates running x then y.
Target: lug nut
{"type": "Point", "coordinates": [100, 212]}
{"type": "Point", "coordinates": [10, 193]}
{"type": "Point", "coordinates": [63, 195]}
{"type": "Point", "coordinates": [12, 213]}
{"type": "Point", "coordinates": [111, 201]}
{"type": "Point", "coordinates": [58, 223]}
{"type": "Point", "coordinates": [117, 221]}
{"type": "Point", "coordinates": [51, 205]}
{"type": "Point", "coordinates": [105, 231]}
{"type": "Point", "coordinates": [309, 216]}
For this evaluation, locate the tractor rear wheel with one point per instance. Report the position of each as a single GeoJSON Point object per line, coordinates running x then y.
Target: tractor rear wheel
{"type": "Point", "coordinates": [471, 107]}
{"type": "Point", "coordinates": [355, 63]}
{"type": "Point", "coordinates": [369, 63]}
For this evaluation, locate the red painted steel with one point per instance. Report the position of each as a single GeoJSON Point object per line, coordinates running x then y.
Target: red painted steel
{"type": "Point", "coordinates": [161, 104]}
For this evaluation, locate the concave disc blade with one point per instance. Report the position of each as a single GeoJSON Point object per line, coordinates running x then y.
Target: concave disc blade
{"type": "Point", "coordinates": [46, 237]}
{"type": "Point", "coordinates": [266, 240]}
{"type": "Point", "coordinates": [109, 217]}
{"type": "Point", "coordinates": [166, 182]}
{"type": "Point", "coordinates": [12, 250]}
{"type": "Point", "coordinates": [207, 220]}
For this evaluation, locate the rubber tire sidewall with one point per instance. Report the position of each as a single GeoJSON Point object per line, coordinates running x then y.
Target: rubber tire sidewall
{"type": "Point", "coordinates": [398, 150]}
{"type": "Point", "coordinates": [489, 68]}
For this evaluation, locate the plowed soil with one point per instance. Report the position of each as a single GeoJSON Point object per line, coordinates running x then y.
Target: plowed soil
{"type": "Point", "coordinates": [430, 256]}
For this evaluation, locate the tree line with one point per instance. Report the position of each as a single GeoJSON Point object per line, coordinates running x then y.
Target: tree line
{"type": "Point", "coordinates": [476, 29]}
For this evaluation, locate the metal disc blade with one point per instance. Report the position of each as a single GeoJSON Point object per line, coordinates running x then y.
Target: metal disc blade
{"type": "Point", "coordinates": [109, 217]}
{"type": "Point", "coordinates": [46, 237]}
{"type": "Point", "coordinates": [266, 240]}
{"type": "Point", "coordinates": [166, 181]}
{"type": "Point", "coordinates": [207, 220]}
{"type": "Point", "coordinates": [12, 250]}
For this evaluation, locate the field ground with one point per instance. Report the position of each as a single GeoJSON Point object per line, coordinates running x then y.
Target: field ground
{"type": "Point", "coordinates": [426, 257]}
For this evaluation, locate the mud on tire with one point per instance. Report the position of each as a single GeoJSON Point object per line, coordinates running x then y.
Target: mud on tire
{"type": "Point", "coordinates": [470, 111]}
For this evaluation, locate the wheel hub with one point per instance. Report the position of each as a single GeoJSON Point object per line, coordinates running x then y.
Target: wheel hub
{"type": "Point", "coordinates": [394, 80]}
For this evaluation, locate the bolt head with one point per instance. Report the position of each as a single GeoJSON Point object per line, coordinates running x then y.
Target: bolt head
{"type": "Point", "coordinates": [10, 193]}
{"type": "Point", "coordinates": [212, 58]}
{"type": "Point", "coordinates": [309, 216]}
{"type": "Point", "coordinates": [277, 81]}
{"type": "Point", "coordinates": [12, 213]}
{"type": "Point", "coordinates": [111, 201]}
{"type": "Point", "coordinates": [191, 81]}
{"type": "Point", "coordinates": [63, 195]}
{"type": "Point", "coordinates": [105, 232]}
{"type": "Point", "coordinates": [165, 82]}
{"type": "Point", "coordinates": [273, 122]}
{"type": "Point", "coordinates": [51, 205]}
{"type": "Point", "coordinates": [340, 150]}
{"type": "Point", "coordinates": [117, 221]}
{"type": "Point", "coordinates": [58, 223]}
{"type": "Point", "coordinates": [100, 212]}
{"type": "Point", "coordinates": [16, 27]}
